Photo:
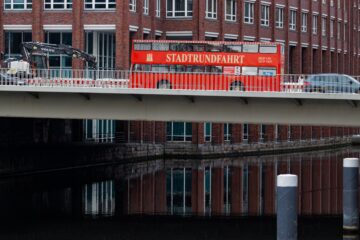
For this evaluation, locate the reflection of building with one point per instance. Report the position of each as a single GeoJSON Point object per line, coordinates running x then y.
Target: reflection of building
{"type": "Point", "coordinates": [99, 198]}
{"type": "Point", "coordinates": [239, 187]}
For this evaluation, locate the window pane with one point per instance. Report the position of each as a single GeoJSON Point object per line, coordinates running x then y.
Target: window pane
{"type": "Point", "coordinates": [251, 48]}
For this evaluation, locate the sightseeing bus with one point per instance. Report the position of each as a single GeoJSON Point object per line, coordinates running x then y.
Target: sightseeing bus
{"type": "Point", "coordinates": [206, 65]}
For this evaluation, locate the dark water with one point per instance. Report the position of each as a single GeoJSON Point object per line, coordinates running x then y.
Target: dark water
{"type": "Point", "coordinates": [175, 199]}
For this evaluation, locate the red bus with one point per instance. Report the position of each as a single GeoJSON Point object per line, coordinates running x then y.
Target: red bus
{"type": "Point", "coordinates": [206, 65]}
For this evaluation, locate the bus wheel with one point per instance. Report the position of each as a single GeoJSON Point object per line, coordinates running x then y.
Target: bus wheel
{"type": "Point", "coordinates": [236, 86]}
{"type": "Point", "coordinates": [163, 84]}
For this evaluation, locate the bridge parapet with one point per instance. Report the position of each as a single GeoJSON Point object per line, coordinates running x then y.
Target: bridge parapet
{"type": "Point", "coordinates": [175, 81]}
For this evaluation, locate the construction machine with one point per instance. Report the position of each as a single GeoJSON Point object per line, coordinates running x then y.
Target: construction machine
{"type": "Point", "coordinates": [35, 57]}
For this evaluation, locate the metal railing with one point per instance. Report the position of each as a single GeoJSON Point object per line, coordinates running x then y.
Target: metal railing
{"type": "Point", "coordinates": [116, 79]}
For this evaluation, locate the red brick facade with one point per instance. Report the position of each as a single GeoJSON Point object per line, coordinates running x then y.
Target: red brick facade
{"type": "Point", "coordinates": [305, 52]}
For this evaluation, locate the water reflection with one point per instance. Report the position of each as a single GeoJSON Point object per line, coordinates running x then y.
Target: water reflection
{"type": "Point", "coordinates": [232, 187]}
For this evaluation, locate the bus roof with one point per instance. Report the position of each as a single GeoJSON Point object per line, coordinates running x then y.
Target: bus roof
{"type": "Point", "coordinates": [206, 42]}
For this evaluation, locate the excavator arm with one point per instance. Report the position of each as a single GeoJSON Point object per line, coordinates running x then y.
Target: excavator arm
{"type": "Point", "coordinates": [30, 48]}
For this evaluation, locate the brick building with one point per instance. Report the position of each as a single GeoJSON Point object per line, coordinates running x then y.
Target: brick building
{"type": "Point", "coordinates": [320, 36]}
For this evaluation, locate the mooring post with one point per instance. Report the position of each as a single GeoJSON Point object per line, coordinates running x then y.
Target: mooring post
{"type": "Point", "coordinates": [287, 206]}
{"type": "Point", "coordinates": [350, 194]}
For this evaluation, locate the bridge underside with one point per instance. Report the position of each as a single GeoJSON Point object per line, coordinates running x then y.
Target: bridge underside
{"type": "Point", "coordinates": [194, 107]}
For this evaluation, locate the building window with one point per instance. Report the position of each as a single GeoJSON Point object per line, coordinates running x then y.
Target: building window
{"type": "Point", "coordinates": [245, 132]}
{"type": "Point", "coordinates": [230, 10]}
{"type": "Point", "coordinates": [211, 9]}
{"type": "Point", "coordinates": [13, 42]}
{"type": "Point", "coordinates": [227, 132]}
{"type": "Point", "coordinates": [146, 7]}
{"type": "Point", "coordinates": [100, 4]}
{"type": "Point", "coordinates": [324, 2]}
{"type": "Point", "coordinates": [331, 3]}
{"type": "Point", "coordinates": [276, 133]}
{"type": "Point", "coordinates": [102, 46]}
{"type": "Point", "coordinates": [332, 22]}
{"type": "Point", "coordinates": [59, 61]}
{"type": "Point", "coordinates": [262, 132]}
{"type": "Point", "coordinates": [132, 5]}
{"type": "Point", "coordinates": [338, 30]}
{"type": "Point", "coordinates": [304, 17]}
{"type": "Point", "coordinates": [58, 4]}
{"type": "Point", "coordinates": [249, 12]}
{"type": "Point", "coordinates": [292, 20]}
{"type": "Point", "coordinates": [265, 15]}
{"type": "Point", "coordinates": [179, 131]}
{"type": "Point", "coordinates": [207, 131]}
{"type": "Point", "coordinates": [314, 24]}
{"type": "Point", "coordinates": [179, 8]}
{"type": "Point", "coordinates": [158, 9]}
{"type": "Point", "coordinates": [18, 4]}
{"type": "Point", "coordinates": [323, 26]}
{"type": "Point", "coordinates": [99, 130]}
{"type": "Point", "coordinates": [289, 133]}
{"type": "Point", "coordinates": [279, 23]}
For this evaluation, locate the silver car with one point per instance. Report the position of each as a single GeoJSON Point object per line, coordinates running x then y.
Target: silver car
{"type": "Point", "coordinates": [331, 83]}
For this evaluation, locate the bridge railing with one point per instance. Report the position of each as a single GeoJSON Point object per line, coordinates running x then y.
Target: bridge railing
{"type": "Point", "coordinates": [200, 81]}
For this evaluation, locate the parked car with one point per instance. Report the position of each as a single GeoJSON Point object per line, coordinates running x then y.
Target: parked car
{"type": "Point", "coordinates": [331, 83]}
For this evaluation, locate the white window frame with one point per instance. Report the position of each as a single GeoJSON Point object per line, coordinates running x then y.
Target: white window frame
{"type": "Point", "coordinates": [52, 3]}
{"type": "Point", "coordinates": [279, 17]}
{"type": "Point", "coordinates": [172, 13]}
{"type": "Point", "coordinates": [264, 15]}
{"type": "Point", "coordinates": [158, 8]}
{"type": "Point", "coordinates": [332, 23]}
{"type": "Point", "coordinates": [227, 135]}
{"type": "Point", "coordinates": [9, 5]}
{"type": "Point", "coordinates": [323, 26]}
{"type": "Point", "coordinates": [211, 9]}
{"type": "Point", "coordinates": [207, 137]}
{"type": "Point", "coordinates": [132, 5]}
{"type": "Point", "coordinates": [231, 16]}
{"type": "Point", "coordinates": [250, 18]}
{"type": "Point", "coordinates": [304, 20]}
{"type": "Point", "coordinates": [245, 135]}
{"type": "Point", "coordinates": [94, 3]}
{"type": "Point", "coordinates": [292, 20]}
{"type": "Point", "coordinates": [314, 23]}
{"type": "Point", "coordinates": [146, 7]}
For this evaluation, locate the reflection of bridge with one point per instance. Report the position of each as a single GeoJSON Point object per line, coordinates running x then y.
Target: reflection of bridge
{"type": "Point", "coordinates": [114, 99]}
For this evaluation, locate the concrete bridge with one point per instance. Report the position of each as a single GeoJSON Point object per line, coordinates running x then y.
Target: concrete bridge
{"type": "Point", "coordinates": [76, 102]}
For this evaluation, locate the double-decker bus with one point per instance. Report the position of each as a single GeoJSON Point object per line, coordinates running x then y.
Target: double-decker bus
{"type": "Point", "coordinates": [206, 65]}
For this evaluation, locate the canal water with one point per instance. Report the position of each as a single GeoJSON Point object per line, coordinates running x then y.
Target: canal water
{"type": "Point", "coordinates": [232, 198]}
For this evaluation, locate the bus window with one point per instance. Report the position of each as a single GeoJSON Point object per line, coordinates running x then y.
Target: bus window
{"type": "Point", "coordinates": [233, 48]}
{"type": "Point", "coordinates": [267, 71]}
{"type": "Point", "coordinates": [196, 69]}
{"type": "Point", "coordinates": [268, 49]}
{"type": "Point", "coordinates": [180, 47]}
{"type": "Point", "coordinates": [214, 47]}
{"type": "Point", "coordinates": [250, 71]}
{"type": "Point", "coordinates": [198, 47]}
{"type": "Point", "coordinates": [251, 48]}
{"type": "Point", "coordinates": [231, 70]}
{"type": "Point", "coordinates": [159, 46]}
{"type": "Point", "coordinates": [142, 67]}
{"type": "Point", "coordinates": [216, 69]}
{"type": "Point", "coordinates": [160, 68]}
{"type": "Point", "coordinates": [177, 68]}
{"type": "Point", "coordinates": [142, 46]}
